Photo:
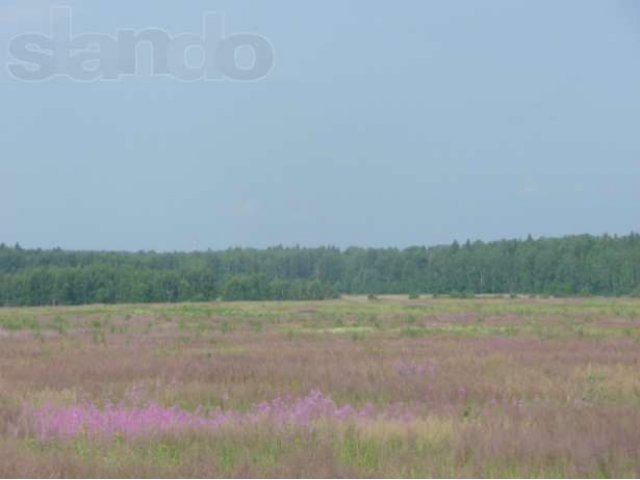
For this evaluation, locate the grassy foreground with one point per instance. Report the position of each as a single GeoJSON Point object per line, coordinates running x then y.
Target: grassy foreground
{"type": "Point", "coordinates": [393, 387]}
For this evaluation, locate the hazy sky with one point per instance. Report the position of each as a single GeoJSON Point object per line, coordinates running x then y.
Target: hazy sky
{"type": "Point", "coordinates": [383, 123]}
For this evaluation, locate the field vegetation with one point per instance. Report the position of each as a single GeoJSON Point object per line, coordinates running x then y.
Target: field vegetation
{"type": "Point", "coordinates": [383, 386]}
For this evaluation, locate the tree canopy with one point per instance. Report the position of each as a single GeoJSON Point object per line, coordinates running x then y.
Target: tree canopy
{"type": "Point", "coordinates": [574, 265]}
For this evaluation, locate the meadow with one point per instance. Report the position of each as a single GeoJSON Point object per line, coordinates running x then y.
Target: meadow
{"type": "Point", "coordinates": [354, 387]}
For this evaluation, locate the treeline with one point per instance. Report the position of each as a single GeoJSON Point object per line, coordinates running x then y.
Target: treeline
{"type": "Point", "coordinates": [91, 284]}
{"type": "Point", "coordinates": [576, 265]}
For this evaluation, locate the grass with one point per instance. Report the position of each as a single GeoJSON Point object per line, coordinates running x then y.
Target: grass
{"type": "Point", "coordinates": [487, 387]}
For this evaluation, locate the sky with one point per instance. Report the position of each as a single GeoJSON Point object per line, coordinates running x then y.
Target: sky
{"type": "Point", "coordinates": [381, 123]}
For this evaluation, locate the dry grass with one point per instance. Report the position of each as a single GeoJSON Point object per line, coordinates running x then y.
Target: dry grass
{"type": "Point", "coordinates": [498, 387]}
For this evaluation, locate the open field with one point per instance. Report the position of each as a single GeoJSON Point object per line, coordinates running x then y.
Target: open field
{"type": "Point", "coordinates": [495, 387]}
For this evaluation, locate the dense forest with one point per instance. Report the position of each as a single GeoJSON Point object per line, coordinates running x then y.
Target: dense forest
{"type": "Point", "coordinates": [576, 265]}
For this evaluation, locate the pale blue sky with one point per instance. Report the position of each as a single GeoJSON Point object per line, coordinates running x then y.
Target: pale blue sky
{"type": "Point", "coordinates": [383, 123]}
